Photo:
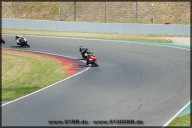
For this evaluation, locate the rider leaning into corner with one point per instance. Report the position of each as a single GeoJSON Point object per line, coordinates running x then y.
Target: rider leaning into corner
{"type": "Point", "coordinates": [21, 40]}
{"type": "Point", "coordinates": [18, 37]}
{"type": "Point", "coordinates": [83, 50]}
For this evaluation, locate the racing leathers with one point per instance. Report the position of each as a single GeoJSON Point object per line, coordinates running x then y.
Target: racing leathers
{"type": "Point", "coordinates": [85, 50]}
{"type": "Point", "coordinates": [17, 38]}
{"type": "Point", "coordinates": [20, 39]}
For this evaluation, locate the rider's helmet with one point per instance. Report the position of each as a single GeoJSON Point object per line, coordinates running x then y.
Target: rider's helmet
{"type": "Point", "coordinates": [80, 48]}
{"type": "Point", "coordinates": [17, 36]}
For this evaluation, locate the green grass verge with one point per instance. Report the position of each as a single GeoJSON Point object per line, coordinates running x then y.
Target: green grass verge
{"type": "Point", "coordinates": [131, 37]}
{"type": "Point", "coordinates": [181, 121]}
{"type": "Point", "coordinates": [25, 73]}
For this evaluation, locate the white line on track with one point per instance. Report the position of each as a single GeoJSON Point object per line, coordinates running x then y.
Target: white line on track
{"type": "Point", "coordinates": [113, 41]}
{"type": "Point", "coordinates": [49, 85]}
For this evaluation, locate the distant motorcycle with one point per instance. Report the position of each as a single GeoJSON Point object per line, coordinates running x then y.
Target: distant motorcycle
{"type": "Point", "coordinates": [93, 61]}
{"type": "Point", "coordinates": [22, 41]}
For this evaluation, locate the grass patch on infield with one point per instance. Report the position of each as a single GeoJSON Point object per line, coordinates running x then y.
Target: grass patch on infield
{"type": "Point", "coordinates": [181, 121]}
{"type": "Point", "coordinates": [130, 37]}
{"type": "Point", "coordinates": [24, 73]}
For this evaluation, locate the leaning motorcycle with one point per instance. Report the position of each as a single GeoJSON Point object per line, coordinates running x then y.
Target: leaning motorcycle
{"type": "Point", "coordinates": [22, 41]}
{"type": "Point", "coordinates": [93, 61]}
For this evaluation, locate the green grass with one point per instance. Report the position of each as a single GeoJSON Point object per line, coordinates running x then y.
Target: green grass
{"type": "Point", "coordinates": [128, 37]}
{"type": "Point", "coordinates": [25, 73]}
{"type": "Point", "coordinates": [181, 121]}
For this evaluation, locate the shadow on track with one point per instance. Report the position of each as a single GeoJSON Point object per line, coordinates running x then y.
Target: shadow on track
{"type": "Point", "coordinates": [79, 59]}
{"type": "Point", "coordinates": [19, 47]}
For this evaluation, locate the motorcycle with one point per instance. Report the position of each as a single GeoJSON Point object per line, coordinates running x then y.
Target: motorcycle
{"type": "Point", "coordinates": [93, 61]}
{"type": "Point", "coordinates": [22, 41]}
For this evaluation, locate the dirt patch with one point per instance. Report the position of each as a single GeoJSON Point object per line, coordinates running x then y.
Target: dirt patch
{"type": "Point", "coordinates": [179, 40]}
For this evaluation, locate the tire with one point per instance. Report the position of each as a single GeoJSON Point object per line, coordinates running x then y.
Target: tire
{"type": "Point", "coordinates": [96, 63]}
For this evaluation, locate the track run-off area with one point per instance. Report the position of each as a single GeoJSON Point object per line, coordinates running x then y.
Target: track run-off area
{"type": "Point", "coordinates": [134, 81]}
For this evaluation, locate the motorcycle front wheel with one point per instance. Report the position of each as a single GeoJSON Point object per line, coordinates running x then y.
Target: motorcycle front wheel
{"type": "Point", "coordinates": [96, 63]}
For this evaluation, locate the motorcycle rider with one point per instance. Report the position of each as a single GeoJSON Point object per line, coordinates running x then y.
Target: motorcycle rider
{"type": "Point", "coordinates": [21, 40]}
{"type": "Point", "coordinates": [85, 50]}
{"type": "Point", "coordinates": [18, 37]}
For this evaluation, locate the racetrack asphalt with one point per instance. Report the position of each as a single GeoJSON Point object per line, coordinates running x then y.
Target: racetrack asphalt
{"type": "Point", "coordinates": [134, 81]}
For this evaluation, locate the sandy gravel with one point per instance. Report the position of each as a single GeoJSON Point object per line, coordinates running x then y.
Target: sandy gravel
{"type": "Point", "coordinates": [180, 40]}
